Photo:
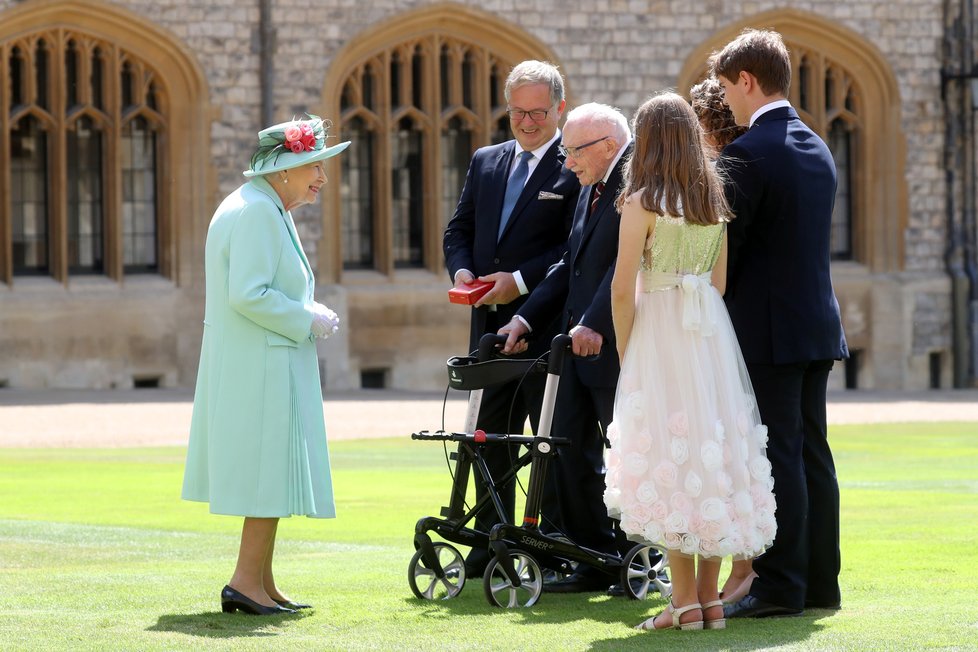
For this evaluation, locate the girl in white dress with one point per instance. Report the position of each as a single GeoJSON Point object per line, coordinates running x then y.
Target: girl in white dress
{"type": "Point", "coordinates": [687, 469]}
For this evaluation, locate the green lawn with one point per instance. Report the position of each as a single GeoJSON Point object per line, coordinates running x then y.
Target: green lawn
{"type": "Point", "coordinates": [97, 552]}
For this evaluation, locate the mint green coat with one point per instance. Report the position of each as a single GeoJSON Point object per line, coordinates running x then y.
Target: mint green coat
{"type": "Point", "coordinates": [257, 436]}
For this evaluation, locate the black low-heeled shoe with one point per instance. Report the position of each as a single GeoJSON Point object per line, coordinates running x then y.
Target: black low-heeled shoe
{"type": "Point", "coordinates": [232, 600]}
{"type": "Point", "coordinates": [288, 604]}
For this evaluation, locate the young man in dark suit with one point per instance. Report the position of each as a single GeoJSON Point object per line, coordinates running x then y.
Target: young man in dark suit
{"type": "Point", "coordinates": [782, 183]}
{"type": "Point", "coordinates": [509, 227]}
{"type": "Point", "coordinates": [597, 141]}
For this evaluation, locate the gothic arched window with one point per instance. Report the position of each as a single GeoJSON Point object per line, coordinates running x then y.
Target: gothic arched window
{"type": "Point", "coordinates": [415, 111]}
{"type": "Point", "coordinates": [82, 121]}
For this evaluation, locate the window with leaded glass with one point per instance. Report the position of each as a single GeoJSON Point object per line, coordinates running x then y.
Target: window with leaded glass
{"type": "Point", "coordinates": [415, 112]}
{"type": "Point", "coordinates": [827, 99]}
{"type": "Point", "coordinates": [82, 192]}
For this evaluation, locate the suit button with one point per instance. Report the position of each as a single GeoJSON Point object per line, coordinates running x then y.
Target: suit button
{"type": "Point", "coordinates": [495, 261]}
{"type": "Point", "coordinates": [577, 272]}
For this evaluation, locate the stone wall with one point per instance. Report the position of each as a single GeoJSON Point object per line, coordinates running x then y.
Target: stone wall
{"type": "Point", "coordinates": [612, 51]}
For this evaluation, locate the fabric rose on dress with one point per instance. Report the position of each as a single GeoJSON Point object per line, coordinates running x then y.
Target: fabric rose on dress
{"type": "Point", "coordinates": [711, 530]}
{"type": "Point", "coordinates": [693, 484]}
{"type": "Point", "coordinates": [641, 441]}
{"type": "Point", "coordinates": [690, 544]}
{"type": "Point", "coordinates": [636, 464]}
{"type": "Point", "coordinates": [676, 522]}
{"type": "Point", "coordinates": [630, 525]}
{"type": "Point", "coordinates": [672, 540]}
{"type": "Point", "coordinates": [760, 468]}
{"type": "Point", "coordinates": [713, 509]}
{"type": "Point", "coordinates": [646, 492]}
{"type": "Point", "coordinates": [665, 473]}
{"type": "Point", "coordinates": [711, 455]}
{"type": "Point", "coordinates": [709, 548]}
{"type": "Point", "coordinates": [635, 405]}
{"type": "Point", "coordinates": [743, 504]}
{"type": "Point", "coordinates": [678, 424]}
{"type": "Point", "coordinates": [613, 433]}
{"type": "Point", "coordinates": [760, 434]}
{"type": "Point", "coordinates": [652, 532]}
{"type": "Point", "coordinates": [641, 513]}
{"type": "Point", "coordinates": [660, 511]}
{"type": "Point", "coordinates": [680, 450]}
{"type": "Point", "coordinates": [681, 503]}
{"type": "Point", "coordinates": [612, 498]}
{"type": "Point", "coordinates": [762, 497]}
{"type": "Point", "coordinates": [719, 432]}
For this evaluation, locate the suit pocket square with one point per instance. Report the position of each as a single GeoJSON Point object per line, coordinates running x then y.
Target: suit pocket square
{"type": "Point", "coordinates": [549, 195]}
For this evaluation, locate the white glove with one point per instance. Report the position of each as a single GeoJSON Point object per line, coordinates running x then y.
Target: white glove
{"type": "Point", "coordinates": [325, 322]}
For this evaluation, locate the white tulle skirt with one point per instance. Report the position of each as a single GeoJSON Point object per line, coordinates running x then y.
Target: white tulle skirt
{"type": "Point", "coordinates": [687, 468]}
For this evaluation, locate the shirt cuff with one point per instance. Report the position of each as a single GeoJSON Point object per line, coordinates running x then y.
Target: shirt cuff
{"type": "Point", "coordinates": [455, 279]}
{"type": "Point", "coordinates": [525, 323]}
{"type": "Point", "coordinates": [520, 284]}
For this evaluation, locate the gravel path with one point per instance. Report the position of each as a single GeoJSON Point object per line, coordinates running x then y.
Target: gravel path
{"type": "Point", "coordinates": [161, 417]}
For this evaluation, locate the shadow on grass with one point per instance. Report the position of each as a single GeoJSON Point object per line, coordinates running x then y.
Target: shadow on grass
{"type": "Point", "coordinates": [216, 624]}
{"type": "Point", "coordinates": [741, 634]}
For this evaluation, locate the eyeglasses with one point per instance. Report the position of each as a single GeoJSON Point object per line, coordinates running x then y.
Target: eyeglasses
{"type": "Point", "coordinates": [536, 115]}
{"type": "Point", "coordinates": [575, 151]}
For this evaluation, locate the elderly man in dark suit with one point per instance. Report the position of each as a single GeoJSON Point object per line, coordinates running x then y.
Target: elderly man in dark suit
{"type": "Point", "coordinates": [782, 182]}
{"type": "Point", "coordinates": [509, 227]}
{"type": "Point", "coordinates": [597, 141]}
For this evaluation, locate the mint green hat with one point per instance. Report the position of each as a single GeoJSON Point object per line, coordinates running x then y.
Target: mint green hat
{"type": "Point", "coordinates": [291, 144]}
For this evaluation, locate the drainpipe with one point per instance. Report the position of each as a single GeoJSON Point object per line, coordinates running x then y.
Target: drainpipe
{"type": "Point", "coordinates": [266, 55]}
{"type": "Point", "coordinates": [960, 177]}
{"type": "Point", "coordinates": [969, 106]}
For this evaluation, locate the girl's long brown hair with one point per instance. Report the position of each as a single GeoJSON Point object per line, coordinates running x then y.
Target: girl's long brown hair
{"type": "Point", "coordinates": [670, 165]}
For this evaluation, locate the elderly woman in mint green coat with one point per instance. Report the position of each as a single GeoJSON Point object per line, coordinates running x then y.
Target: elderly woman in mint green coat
{"type": "Point", "coordinates": [257, 437]}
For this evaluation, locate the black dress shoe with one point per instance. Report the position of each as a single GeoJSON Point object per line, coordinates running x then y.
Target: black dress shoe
{"type": "Point", "coordinates": [616, 591]}
{"type": "Point", "coordinates": [578, 583]}
{"type": "Point", "coordinates": [232, 600]}
{"type": "Point", "coordinates": [288, 604]}
{"type": "Point", "coordinates": [751, 607]}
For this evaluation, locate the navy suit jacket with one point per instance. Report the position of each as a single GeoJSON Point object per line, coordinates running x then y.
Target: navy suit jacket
{"type": "Point", "coordinates": [781, 187]}
{"type": "Point", "coordinates": [578, 288]}
{"type": "Point", "coordinates": [535, 235]}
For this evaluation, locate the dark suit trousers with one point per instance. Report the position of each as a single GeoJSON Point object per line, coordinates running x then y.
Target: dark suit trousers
{"type": "Point", "coordinates": [805, 560]}
{"type": "Point", "coordinates": [574, 495]}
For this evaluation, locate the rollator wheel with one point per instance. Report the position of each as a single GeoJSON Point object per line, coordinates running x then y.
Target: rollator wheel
{"type": "Point", "coordinates": [426, 585]}
{"type": "Point", "coordinates": [500, 591]}
{"type": "Point", "coordinates": [639, 573]}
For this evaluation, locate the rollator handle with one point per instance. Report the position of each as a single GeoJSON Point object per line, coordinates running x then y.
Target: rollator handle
{"type": "Point", "coordinates": [559, 345]}
{"type": "Point", "coordinates": [488, 344]}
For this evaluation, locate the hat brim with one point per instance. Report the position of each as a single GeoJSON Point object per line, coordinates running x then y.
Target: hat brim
{"type": "Point", "coordinates": [289, 160]}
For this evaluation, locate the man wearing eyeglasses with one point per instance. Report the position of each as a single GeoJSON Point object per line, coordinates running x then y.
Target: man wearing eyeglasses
{"type": "Point", "coordinates": [596, 144]}
{"type": "Point", "coordinates": [510, 225]}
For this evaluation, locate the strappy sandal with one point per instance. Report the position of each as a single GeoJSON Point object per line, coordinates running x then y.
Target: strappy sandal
{"type": "Point", "coordinates": [716, 623]}
{"type": "Point", "coordinates": [649, 625]}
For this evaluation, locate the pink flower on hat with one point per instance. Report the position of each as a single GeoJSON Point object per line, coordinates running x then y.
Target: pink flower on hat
{"type": "Point", "coordinates": [299, 137]}
{"type": "Point", "coordinates": [293, 132]}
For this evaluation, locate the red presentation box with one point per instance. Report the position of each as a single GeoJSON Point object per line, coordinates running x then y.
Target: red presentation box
{"type": "Point", "coordinates": [469, 293]}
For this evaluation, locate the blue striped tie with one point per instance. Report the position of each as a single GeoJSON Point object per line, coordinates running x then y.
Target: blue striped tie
{"type": "Point", "coordinates": [513, 189]}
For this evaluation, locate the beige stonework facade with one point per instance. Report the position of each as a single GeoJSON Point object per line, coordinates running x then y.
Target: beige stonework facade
{"type": "Point", "coordinates": [422, 78]}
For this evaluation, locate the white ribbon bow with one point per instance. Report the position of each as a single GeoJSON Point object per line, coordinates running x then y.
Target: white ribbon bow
{"type": "Point", "coordinates": [698, 312]}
